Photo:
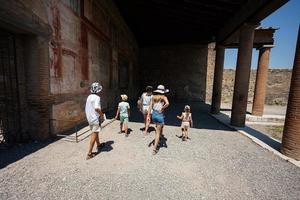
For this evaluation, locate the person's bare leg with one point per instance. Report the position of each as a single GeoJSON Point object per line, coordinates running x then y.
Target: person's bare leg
{"type": "Point", "coordinates": [147, 123]}
{"type": "Point", "coordinates": [98, 140]}
{"type": "Point", "coordinates": [182, 133]}
{"type": "Point", "coordinates": [185, 134]}
{"type": "Point", "coordinates": [126, 129]}
{"type": "Point", "coordinates": [157, 137]}
{"type": "Point", "coordinates": [121, 127]}
{"type": "Point", "coordinates": [162, 131]}
{"type": "Point", "coordinates": [92, 142]}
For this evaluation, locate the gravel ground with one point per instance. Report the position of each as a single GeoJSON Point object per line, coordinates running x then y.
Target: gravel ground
{"type": "Point", "coordinates": [216, 163]}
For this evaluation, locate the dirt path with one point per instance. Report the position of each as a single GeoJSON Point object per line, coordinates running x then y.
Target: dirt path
{"type": "Point", "coordinates": [215, 164]}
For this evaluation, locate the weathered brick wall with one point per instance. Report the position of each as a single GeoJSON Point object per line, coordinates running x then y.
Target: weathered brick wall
{"type": "Point", "coordinates": [67, 46]}
{"type": "Point", "coordinates": [181, 68]}
{"type": "Point", "coordinates": [85, 47]}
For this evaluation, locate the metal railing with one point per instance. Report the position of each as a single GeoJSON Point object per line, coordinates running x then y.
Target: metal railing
{"type": "Point", "coordinates": [75, 132]}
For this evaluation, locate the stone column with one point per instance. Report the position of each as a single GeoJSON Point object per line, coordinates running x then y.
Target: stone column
{"type": "Point", "coordinates": [218, 78]}
{"type": "Point", "coordinates": [261, 81]}
{"type": "Point", "coordinates": [291, 131]}
{"type": "Point", "coordinates": [242, 75]}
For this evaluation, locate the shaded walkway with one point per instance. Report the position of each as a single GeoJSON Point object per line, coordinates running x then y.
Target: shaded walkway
{"type": "Point", "coordinates": [200, 112]}
{"type": "Point", "coordinates": [255, 133]}
{"type": "Point", "coordinates": [214, 164]}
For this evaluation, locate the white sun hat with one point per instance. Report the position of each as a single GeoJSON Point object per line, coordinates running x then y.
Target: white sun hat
{"type": "Point", "coordinates": [161, 89]}
{"type": "Point", "coordinates": [95, 88]}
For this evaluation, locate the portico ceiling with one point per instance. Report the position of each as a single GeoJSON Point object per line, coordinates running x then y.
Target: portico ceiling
{"type": "Point", "coordinates": [188, 21]}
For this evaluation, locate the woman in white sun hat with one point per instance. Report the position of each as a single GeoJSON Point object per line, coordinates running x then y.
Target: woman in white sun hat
{"type": "Point", "coordinates": [159, 103]}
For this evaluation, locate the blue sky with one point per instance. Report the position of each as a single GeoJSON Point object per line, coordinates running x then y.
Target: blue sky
{"type": "Point", "coordinates": [287, 19]}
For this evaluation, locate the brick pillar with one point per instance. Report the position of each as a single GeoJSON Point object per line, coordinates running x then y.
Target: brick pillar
{"type": "Point", "coordinates": [261, 81]}
{"type": "Point", "coordinates": [38, 86]}
{"type": "Point", "coordinates": [291, 131]}
{"type": "Point", "coordinates": [242, 75]}
{"type": "Point", "coordinates": [218, 78]}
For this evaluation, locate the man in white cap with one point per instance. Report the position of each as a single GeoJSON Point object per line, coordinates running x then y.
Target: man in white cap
{"type": "Point", "coordinates": [93, 113]}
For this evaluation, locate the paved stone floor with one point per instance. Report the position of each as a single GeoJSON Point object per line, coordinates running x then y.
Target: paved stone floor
{"type": "Point", "coordinates": [216, 163]}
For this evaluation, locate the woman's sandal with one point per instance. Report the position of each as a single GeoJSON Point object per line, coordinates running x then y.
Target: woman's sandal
{"type": "Point", "coordinates": [89, 156]}
{"type": "Point", "coordinates": [154, 152]}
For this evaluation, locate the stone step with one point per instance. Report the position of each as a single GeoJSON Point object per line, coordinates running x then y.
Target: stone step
{"type": "Point", "coordinates": [266, 118]}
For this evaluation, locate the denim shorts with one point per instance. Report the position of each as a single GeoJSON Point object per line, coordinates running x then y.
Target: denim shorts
{"type": "Point", "coordinates": [158, 118]}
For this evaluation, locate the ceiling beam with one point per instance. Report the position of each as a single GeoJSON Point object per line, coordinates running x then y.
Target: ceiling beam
{"type": "Point", "coordinates": [21, 18]}
{"type": "Point", "coordinates": [181, 9]}
{"type": "Point", "coordinates": [262, 36]}
{"type": "Point", "coordinates": [253, 11]}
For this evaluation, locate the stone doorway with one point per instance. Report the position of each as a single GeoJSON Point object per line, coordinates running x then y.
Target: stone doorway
{"type": "Point", "coordinates": [10, 122]}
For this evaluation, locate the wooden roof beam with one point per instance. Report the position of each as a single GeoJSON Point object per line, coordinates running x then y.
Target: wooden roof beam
{"type": "Point", "coordinates": [253, 11]}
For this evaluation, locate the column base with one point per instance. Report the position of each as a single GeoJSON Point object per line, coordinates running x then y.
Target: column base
{"type": "Point", "coordinates": [238, 121]}
{"type": "Point", "coordinates": [257, 113]}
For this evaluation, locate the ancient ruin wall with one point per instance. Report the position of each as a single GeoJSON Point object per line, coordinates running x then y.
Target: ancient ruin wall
{"type": "Point", "coordinates": [87, 45]}
{"type": "Point", "coordinates": [181, 68]}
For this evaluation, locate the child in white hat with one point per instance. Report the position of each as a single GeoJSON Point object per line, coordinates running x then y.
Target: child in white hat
{"type": "Point", "coordinates": [187, 122]}
{"type": "Point", "coordinates": [124, 111]}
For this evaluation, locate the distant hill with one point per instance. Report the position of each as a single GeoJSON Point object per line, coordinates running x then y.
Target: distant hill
{"type": "Point", "coordinates": [277, 86]}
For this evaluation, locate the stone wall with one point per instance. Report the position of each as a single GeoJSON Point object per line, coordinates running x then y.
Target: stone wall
{"type": "Point", "coordinates": [68, 45]}
{"type": "Point", "coordinates": [181, 68]}
{"type": "Point", "coordinates": [82, 47]}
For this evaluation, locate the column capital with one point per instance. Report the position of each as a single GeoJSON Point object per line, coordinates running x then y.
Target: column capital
{"type": "Point", "coordinates": [251, 24]}
{"type": "Point", "coordinates": [267, 46]}
{"type": "Point", "coordinates": [219, 46]}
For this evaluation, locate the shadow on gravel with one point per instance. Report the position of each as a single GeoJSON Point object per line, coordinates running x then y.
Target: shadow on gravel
{"type": "Point", "coordinates": [255, 133]}
{"type": "Point", "coordinates": [16, 152]}
{"type": "Point", "coordinates": [162, 142]}
{"type": "Point", "coordinates": [150, 129]}
{"type": "Point", "coordinates": [201, 118]}
{"type": "Point", "coordinates": [200, 111]}
{"type": "Point", "coordinates": [107, 146]}
{"type": "Point", "coordinates": [262, 137]}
